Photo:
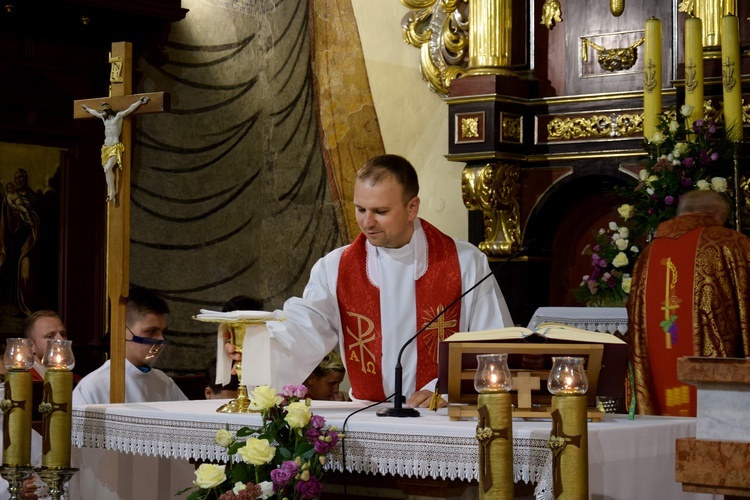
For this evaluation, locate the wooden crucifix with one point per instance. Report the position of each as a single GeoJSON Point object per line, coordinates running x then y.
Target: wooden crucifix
{"type": "Point", "coordinates": [117, 150]}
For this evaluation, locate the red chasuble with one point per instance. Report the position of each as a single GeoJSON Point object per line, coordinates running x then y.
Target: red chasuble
{"type": "Point", "coordinates": [359, 303]}
{"type": "Point", "coordinates": [669, 320]}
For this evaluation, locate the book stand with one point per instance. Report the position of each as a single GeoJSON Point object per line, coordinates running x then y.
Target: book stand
{"type": "Point", "coordinates": [529, 364]}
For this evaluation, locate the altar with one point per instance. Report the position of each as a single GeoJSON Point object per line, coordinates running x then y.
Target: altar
{"type": "Point", "coordinates": [153, 443]}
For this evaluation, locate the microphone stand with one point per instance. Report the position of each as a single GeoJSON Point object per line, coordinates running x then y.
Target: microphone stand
{"type": "Point", "coordinates": [398, 409]}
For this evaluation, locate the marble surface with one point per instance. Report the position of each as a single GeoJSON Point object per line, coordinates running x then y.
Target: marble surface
{"type": "Point", "coordinates": [718, 467]}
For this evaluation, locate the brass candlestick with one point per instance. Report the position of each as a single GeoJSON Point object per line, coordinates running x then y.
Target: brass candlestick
{"type": "Point", "coordinates": [15, 477]}
{"type": "Point", "coordinates": [494, 428]}
{"type": "Point", "coordinates": [55, 477]}
{"type": "Point", "coordinates": [241, 402]}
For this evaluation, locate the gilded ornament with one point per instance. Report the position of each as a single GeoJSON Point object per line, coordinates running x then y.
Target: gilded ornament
{"type": "Point", "coordinates": [691, 82]}
{"type": "Point", "coordinates": [440, 30]}
{"type": "Point", "coordinates": [617, 59]}
{"type": "Point", "coordinates": [493, 188]}
{"type": "Point", "coordinates": [710, 12]}
{"type": "Point", "coordinates": [624, 125]}
{"type": "Point", "coordinates": [551, 13]}
{"type": "Point", "coordinates": [469, 127]}
{"type": "Point", "coordinates": [649, 76]}
{"type": "Point", "coordinates": [6, 405]}
{"type": "Point", "coordinates": [511, 127]}
{"type": "Point", "coordinates": [727, 75]}
{"type": "Point", "coordinates": [616, 7]}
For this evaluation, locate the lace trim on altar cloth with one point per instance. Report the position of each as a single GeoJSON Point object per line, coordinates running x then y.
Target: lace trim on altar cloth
{"type": "Point", "coordinates": [595, 319]}
{"type": "Point", "coordinates": [444, 457]}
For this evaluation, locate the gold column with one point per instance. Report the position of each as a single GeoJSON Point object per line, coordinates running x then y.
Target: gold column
{"type": "Point", "coordinates": [652, 77]}
{"type": "Point", "coordinates": [490, 33]}
{"type": "Point", "coordinates": [694, 68]}
{"type": "Point", "coordinates": [731, 77]}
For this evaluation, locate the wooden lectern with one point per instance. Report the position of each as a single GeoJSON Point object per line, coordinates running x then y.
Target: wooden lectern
{"type": "Point", "coordinates": [717, 460]}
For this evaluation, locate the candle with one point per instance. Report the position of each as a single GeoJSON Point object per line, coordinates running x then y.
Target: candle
{"type": "Point", "coordinates": [731, 77]}
{"type": "Point", "coordinates": [16, 405]}
{"type": "Point", "coordinates": [56, 403]}
{"type": "Point", "coordinates": [652, 77]}
{"type": "Point", "coordinates": [694, 67]}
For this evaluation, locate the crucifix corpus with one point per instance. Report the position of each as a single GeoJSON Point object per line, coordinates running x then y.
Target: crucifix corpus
{"type": "Point", "coordinates": [115, 111]}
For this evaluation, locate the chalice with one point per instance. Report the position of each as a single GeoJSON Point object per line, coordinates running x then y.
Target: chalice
{"type": "Point", "coordinates": [241, 402]}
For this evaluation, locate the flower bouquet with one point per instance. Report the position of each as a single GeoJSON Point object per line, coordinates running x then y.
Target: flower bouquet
{"type": "Point", "coordinates": [612, 258]}
{"type": "Point", "coordinates": [680, 158]}
{"type": "Point", "coordinates": [284, 458]}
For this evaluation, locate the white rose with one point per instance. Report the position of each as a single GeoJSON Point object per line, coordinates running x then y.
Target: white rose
{"type": "Point", "coordinates": [209, 475]}
{"type": "Point", "coordinates": [264, 397]}
{"type": "Point", "coordinates": [620, 260]}
{"type": "Point", "coordinates": [719, 184]}
{"type": "Point", "coordinates": [257, 451]}
{"type": "Point", "coordinates": [224, 438]}
{"type": "Point", "coordinates": [616, 236]}
{"type": "Point", "coordinates": [621, 244]}
{"type": "Point", "coordinates": [673, 126]}
{"type": "Point", "coordinates": [613, 226]}
{"type": "Point", "coordinates": [686, 110]}
{"type": "Point", "coordinates": [634, 249]}
{"type": "Point", "coordinates": [239, 486]}
{"type": "Point", "coordinates": [297, 415]}
{"type": "Point", "coordinates": [657, 138]}
{"type": "Point", "coordinates": [626, 284]}
{"type": "Point", "coordinates": [703, 185]}
{"type": "Point", "coordinates": [626, 211]}
{"type": "Point", "coordinates": [650, 191]}
{"type": "Point", "coordinates": [624, 232]}
{"type": "Point", "coordinates": [643, 174]}
{"type": "Point", "coordinates": [266, 489]}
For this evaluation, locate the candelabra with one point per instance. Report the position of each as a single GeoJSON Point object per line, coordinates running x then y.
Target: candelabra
{"type": "Point", "coordinates": [569, 437]}
{"type": "Point", "coordinates": [494, 428]}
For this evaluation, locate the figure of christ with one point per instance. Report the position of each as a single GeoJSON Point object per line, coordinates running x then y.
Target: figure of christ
{"type": "Point", "coordinates": [113, 146]}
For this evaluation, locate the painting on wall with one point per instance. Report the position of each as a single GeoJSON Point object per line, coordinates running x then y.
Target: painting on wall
{"type": "Point", "coordinates": [29, 227]}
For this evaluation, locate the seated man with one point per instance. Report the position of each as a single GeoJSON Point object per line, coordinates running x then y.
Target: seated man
{"type": "Point", "coordinates": [323, 382]}
{"type": "Point", "coordinates": [689, 297]}
{"type": "Point", "coordinates": [40, 327]}
{"type": "Point", "coordinates": [146, 320]}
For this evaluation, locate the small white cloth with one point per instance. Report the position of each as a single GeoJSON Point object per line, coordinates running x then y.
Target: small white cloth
{"type": "Point", "coordinates": [260, 327]}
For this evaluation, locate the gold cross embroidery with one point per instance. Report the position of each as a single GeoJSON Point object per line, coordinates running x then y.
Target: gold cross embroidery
{"type": "Point", "coordinates": [670, 300]}
{"type": "Point", "coordinates": [440, 325]}
{"type": "Point", "coordinates": [486, 435]}
{"type": "Point", "coordinates": [7, 405]}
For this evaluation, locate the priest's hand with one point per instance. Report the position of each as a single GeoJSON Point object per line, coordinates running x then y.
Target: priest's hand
{"type": "Point", "coordinates": [229, 348]}
{"type": "Point", "coordinates": [421, 399]}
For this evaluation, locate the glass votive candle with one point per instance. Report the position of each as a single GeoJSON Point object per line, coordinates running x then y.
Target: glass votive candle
{"type": "Point", "coordinates": [19, 354]}
{"type": "Point", "coordinates": [493, 374]}
{"type": "Point", "coordinates": [59, 355]}
{"type": "Point", "coordinates": [567, 376]}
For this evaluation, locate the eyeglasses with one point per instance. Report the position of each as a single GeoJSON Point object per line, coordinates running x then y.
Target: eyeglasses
{"type": "Point", "coordinates": [145, 340]}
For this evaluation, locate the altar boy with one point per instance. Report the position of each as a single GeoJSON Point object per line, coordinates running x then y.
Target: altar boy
{"type": "Point", "coordinates": [145, 321]}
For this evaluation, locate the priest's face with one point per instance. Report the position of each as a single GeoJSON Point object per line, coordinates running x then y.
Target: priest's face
{"type": "Point", "coordinates": [144, 339]}
{"type": "Point", "coordinates": [385, 218]}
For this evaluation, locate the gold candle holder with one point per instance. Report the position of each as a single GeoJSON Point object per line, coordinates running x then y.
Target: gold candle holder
{"type": "Point", "coordinates": [494, 427]}
{"type": "Point", "coordinates": [15, 477]}
{"type": "Point", "coordinates": [56, 404]}
{"type": "Point", "coordinates": [569, 437]}
{"type": "Point", "coordinates": [241, 403]}
{"type": "Point", "coordinates": [56, 477]}
{"type": "Point", "coordinates": [16, 405]}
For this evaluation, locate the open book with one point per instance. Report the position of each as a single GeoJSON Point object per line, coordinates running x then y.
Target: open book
{"type": "Point", "coordinates": [543, 332]}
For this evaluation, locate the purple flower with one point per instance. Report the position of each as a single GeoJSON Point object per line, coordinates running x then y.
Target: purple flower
{"type": "Point", "coordinates": [697, 124]}
{"type": "Point", "coordinates": [296, 391]}
{"type": "Point", "coordinates": [714, 156]}
{"type": "Point", "coordinates": [317, 421]}
{"type": "Point", "coordinates": [686, 182]}
{"type": "Point", "coordinates": [602, 263]}
{"type": "Point", "coordinates": [284, 474]}
{"type": "Point", "coordinates": [688, 162]}
{"type": "Point", "coordinates": [321, 446]}
{"type": "Point", "coordinates": [312, 488]}
{"type": "Point", "coordinates": [668, 200]}
{"type": "Point", "coordinates": [712, 128]}
{"type": "Point", "coordinates": [597, 248]}
{"type": "Point", "coordinates": [313, 434]}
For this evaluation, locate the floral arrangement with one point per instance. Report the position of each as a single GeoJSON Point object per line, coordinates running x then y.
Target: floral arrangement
{"type": "Point", "coordinates": [680, 158]}
{"type": "Point", "coordinates": [612, 258]}
{"type": "Point", "coordinates": [284, 458]}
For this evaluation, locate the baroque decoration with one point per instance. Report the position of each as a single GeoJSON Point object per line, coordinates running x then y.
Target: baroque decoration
{"type": "Point", "coordinates": [284, 458]}
{"type": "Point", "coordinates": [623, 125]}
{"type": "Point", "coordinates": [440, 29]}
{"type": "Point", "coordinates": [612, 60]}
{"type": "Point", "coordinates": [493, 189]}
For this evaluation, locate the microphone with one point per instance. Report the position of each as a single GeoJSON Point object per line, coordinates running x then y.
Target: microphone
{"type": "Point", "coordinates": [398, 409]}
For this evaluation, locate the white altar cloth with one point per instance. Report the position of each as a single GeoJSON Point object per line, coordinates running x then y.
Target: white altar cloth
{"type": "Point", "coordinates": [627, 459]}
{"type": "Point", "coordinates": [595, 319]}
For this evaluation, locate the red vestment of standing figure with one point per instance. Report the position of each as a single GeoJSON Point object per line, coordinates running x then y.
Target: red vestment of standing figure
{"type": "Point", "coordinates": [689, 297]}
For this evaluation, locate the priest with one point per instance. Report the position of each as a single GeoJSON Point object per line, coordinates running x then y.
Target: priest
{"type": "Point", "coordinates": [689, 297]}
{"type": "Point", "coordinates": [372, 296]}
